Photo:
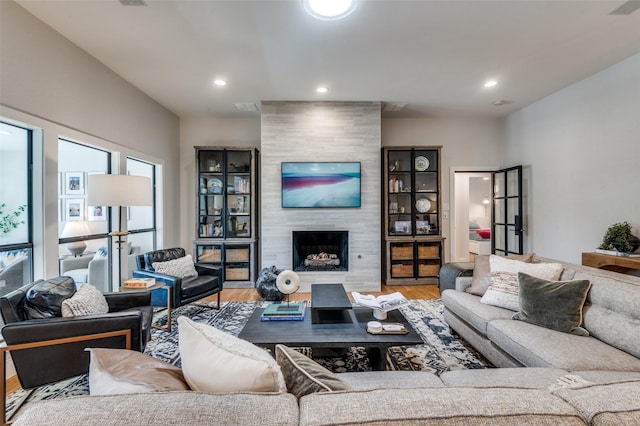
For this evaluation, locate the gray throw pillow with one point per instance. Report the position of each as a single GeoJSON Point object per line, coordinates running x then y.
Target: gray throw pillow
{"type": "Point", "coordinates": [304, 376]}
{"type": "Point", "coordinates": [556, 305]}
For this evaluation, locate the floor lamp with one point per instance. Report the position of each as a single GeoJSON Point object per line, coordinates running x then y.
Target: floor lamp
{"type": "Point", "coordinates": [119, 191]}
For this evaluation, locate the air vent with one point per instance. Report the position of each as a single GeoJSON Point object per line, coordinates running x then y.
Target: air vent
{"type": "Point", "coordinates": [627, 8]}
{"type": "Point", "coordinates": [246, 107]}
{"type": "Point", "coordinates": [393, 106]}
{"type": "Point", "coordinates": [133, 2]}
{"type": "Point", "coordinates": [501, 102]}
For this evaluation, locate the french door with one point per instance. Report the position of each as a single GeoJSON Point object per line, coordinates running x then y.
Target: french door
{"type": "Point", "coordinates": [506, 217]}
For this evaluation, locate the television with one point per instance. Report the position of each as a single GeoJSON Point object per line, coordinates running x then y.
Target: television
{"type": "Point", "coordinates": [320, 184]}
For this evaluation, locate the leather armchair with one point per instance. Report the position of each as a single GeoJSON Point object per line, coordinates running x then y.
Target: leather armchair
{"type": "Point", "coordinates": [39, 366]}
{"type": "Point", "coordinates": [185, 290]}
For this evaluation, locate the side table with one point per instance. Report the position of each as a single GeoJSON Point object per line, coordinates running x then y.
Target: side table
{"type": "Point", "coordinates": [158, 285]}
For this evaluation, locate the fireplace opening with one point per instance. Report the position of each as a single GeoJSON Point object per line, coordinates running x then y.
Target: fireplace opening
{"type": "Point", "coordinates": [320, 251]}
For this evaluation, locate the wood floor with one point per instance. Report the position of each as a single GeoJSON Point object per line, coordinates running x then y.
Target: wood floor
{"type": "Point", "coordinates": [409, 291]}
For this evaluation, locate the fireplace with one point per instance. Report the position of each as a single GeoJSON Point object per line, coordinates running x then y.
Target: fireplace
{"type": "Point", "coordinates": [320, 251]}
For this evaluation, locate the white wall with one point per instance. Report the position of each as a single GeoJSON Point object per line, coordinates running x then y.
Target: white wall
{"type": "Point", "coordinates": [581, 152]}
{"type": "Point", "coordinates": [49, 83]}
{"type": "Point", "coordinates": [467, 143]}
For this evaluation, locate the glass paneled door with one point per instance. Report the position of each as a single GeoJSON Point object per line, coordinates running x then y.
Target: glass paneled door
{"type": "Point", "coordinates": [506, 220]}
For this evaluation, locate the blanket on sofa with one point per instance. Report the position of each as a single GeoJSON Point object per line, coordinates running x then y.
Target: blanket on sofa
{"type": "Point", "coordinates": [441, 351]}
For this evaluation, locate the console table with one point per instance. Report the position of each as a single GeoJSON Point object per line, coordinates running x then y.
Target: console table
{"type": "Point", "coordinates": [611, 263]}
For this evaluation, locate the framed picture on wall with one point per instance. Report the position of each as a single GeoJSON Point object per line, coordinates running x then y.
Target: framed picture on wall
{"type": "Point", "coordinates": [74, 209]}
{"type": "Point", "coordinates": [96, 213]}
{"type": "Point", "coordinates": [74, 183]}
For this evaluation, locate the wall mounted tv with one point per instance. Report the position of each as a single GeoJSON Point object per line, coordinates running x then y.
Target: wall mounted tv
{"type": "Point", "coordinates": [320, 185]}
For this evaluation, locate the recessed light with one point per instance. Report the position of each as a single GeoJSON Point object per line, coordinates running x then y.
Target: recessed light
{"type": "Point", "coordinates": [322, 90]}
{"type": "Point", "coordinates": [329, 9]}
{"type": "Point", "coordinates": [490, 83]}
{"type": "Point", "coordinates": [219, 82]}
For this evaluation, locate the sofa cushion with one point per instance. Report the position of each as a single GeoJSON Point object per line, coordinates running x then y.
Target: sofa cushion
{"type": "Point", "coordinates": [552, 304]}
{"type": "Point", "coordinates": [391, 379]}
{"type": "Point", "coordinates": [468, 308]}
{"type": "Point", "coordinates": [214, 361]}
{"type": "Point", "coordinates": [181, 267]}
{"type": "Point", "coordinates": [532, 378]}
{"type": "Point", "coordinates": [304, 376]}
{"type": "Point", "coordinates": [535, 346]}
{"type": "Point", "coordinates": [165, 408]}
{"type": "Point", "coordinates": [482, 272]}
{"type": "Point", "coordinates": [503, 284]}
{"type": "Point", "coordinates": [605, 404]}
{"type": "Point", "coordinates": [443, 406]}
{"type": "Point", "coordinates": [118, 371]}
{"type": "Point", "coordinates": [86, 301]}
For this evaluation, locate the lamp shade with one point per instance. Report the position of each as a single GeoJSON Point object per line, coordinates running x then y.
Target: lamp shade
{"type": "Point", "coordinates": [119, 190]}
{"type": "Point", "coordinates": [75, 228]}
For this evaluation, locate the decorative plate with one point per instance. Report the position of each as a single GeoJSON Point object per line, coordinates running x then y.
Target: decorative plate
{"type": "Point", "coordinates": [422, 163]}
{"type": "Point", "coordinates": [423, 205]}
{"type": "Point", "coordinates": [214, 186]}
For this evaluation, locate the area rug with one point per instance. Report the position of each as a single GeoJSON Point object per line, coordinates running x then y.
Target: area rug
{"type": "Point", "coordinates": [441, 351]}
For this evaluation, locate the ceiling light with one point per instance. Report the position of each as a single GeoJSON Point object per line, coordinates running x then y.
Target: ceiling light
{"type": "Point", "coordinates": [322, 90]}
{"type": "Point", "coordinates": [329, 9]}
{"type": "Point", "coordinates": [219, 82]}
{"type": "Point", "coordinates": [490, 83]}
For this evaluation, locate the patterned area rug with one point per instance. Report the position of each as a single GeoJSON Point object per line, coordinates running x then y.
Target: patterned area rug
{"type": "Point", "coordinates": [441, 351]}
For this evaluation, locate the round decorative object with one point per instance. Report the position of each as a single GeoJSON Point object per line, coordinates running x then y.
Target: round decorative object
{"type": "Point", "coordinates": [374, 326]}
{"type": "Point", "coordinates": [288, 282]}
{"type": "Point", "coordinates": [422, 163]}
{"type": "Point", "coordinates": [423, 205]}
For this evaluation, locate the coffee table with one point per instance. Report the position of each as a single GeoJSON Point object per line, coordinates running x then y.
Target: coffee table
{"type": "Point", "coordinates": [352, 332]}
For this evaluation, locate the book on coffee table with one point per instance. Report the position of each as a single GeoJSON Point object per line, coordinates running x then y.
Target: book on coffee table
{"type": "Point", "coordinates": [284, 312]}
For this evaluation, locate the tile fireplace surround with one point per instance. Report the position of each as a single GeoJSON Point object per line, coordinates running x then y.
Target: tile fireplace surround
{"type": "Point", "coordinates": [324, 131]}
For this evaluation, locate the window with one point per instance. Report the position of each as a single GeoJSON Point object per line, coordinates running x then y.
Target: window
{"type": "Point", "coordinates": [84, 244]}
{"type": "Point", "coordinates": [141, 221]}
{"type": "Point", "coordinates": [16, 243]}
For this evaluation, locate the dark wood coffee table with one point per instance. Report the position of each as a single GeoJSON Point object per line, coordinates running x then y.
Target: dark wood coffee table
{"type": "Point", "coordinates": [347, 334]}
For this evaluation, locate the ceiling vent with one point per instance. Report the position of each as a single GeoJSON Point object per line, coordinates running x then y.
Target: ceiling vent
{"type": "Point", "coordinates": [627, 8]}
{"type": "Point", "coordinates": [247, 107]}
{"type": "Point", "coordinates": [501, 102]}
{"type": "Point", "coordinates": [133, 2]}
{"type": "Point", "coordinates": [393, 106]}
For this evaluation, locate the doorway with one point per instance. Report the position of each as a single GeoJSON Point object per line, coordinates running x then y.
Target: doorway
{"type": "Point", "coordinates": [472, 212]}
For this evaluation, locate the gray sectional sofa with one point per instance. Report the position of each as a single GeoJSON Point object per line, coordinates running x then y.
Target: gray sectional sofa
{"type": "Point", "coordinates": [571, 380]}
{"type": "Point", "coordinates": [611, 315]}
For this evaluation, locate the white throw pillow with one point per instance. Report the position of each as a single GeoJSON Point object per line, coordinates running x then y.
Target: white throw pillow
{"type": "Point", "coordinates": [503, 285]}
{"type": "Point", "coordinates": [181, 267]}
{"type": "Point", "coordinates": [214, 361]}
{"type": "Point", "coordinates": [86, 301]}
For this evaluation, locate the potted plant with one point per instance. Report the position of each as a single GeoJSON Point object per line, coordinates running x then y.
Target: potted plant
{"type": "Point", "coordinates": [9, 221]}
{"type": "Point", "coordinates": [618, 237]}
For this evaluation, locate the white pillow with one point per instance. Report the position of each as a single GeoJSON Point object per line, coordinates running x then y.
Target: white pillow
{"type": "Point", "coordinates": [86, 301]}
{"type": "Point", "coordinates": [118, 371]}
{"type": "Point", "coordinates": [214, 361]}
{"type": "Point", "coordinates": [503, 285]}
{"type": "Point", "coordinates": [181, 267]}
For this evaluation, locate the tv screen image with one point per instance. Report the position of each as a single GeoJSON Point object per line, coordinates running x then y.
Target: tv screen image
{"type": "Point", "coordinates": [322, 184]}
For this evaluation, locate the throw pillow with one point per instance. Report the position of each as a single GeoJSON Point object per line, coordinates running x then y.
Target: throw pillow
{"type": "Point", "coordinates": [101, 253]}
{"type": "Point", "coordinates": [88, 300]}
{"type": "Point", "coordinates": [118, 371]}
{"type": "Point", "coordinates": [503, 282]}
{"type": "Point", "coordinates": [304, 376]}
{"type": "Point", "coordinates": [214, 361]}
{"type": "Point", "coordinates": [556, 305]}
{"type": "Point", "coordinates": [181, 267]}
{"type": "Point", "coordinates": [482, 272]}
{"type": "Point", "coordinates": [44, 299]}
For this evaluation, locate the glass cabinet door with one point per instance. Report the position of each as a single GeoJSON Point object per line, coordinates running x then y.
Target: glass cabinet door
{"type": "Point", "coordinates": [425, 166]}
{"type": "Point", "coordinates": [238, 187]}
{"type": "Point", "coordinates": [400, 207]}
{"type": "Point", "coordinates": [210, 194]}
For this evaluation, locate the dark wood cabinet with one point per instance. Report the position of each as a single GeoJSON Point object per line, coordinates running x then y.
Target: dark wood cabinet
{"type": "Point", "coordinates": [413, 245]}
